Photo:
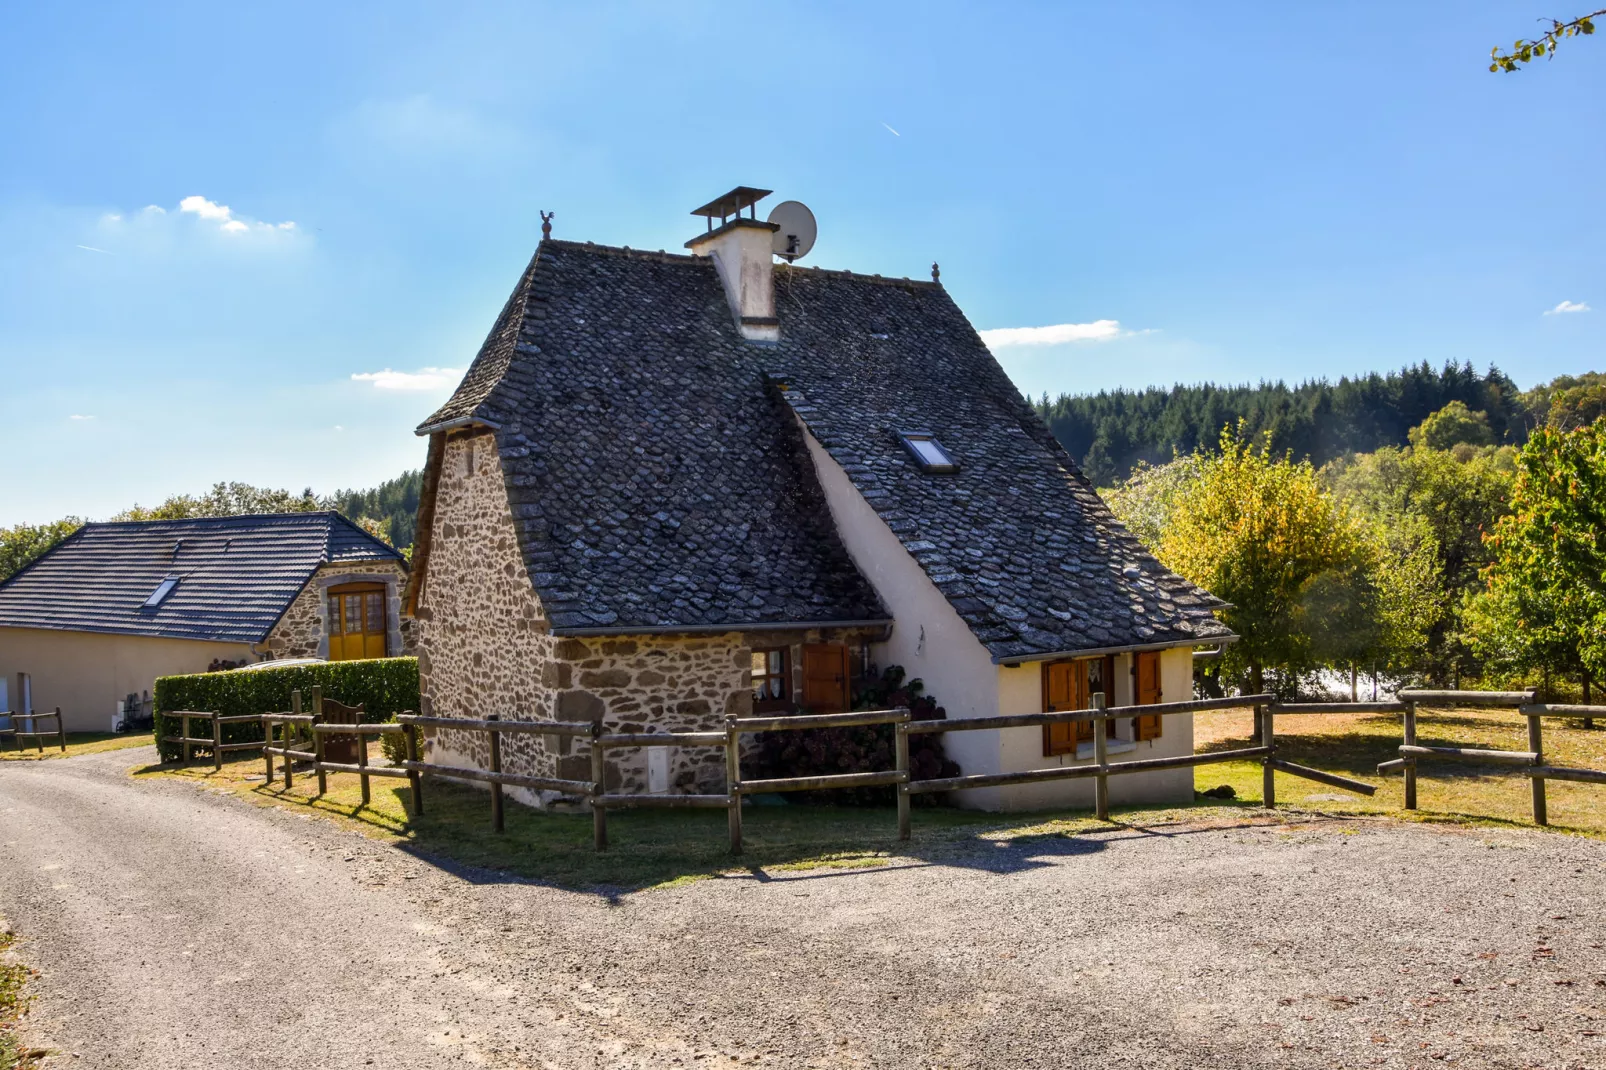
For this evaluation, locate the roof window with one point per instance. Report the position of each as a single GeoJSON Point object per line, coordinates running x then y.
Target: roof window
{"type": "Point", "coordinates": [159, 595]}
{"type": "Point", "coordinates": [927, 451]}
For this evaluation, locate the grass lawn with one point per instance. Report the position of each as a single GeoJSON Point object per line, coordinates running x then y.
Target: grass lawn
{"type": "Point", "coordinates": [1353, 744]}
{"type": "Point", "coordinates": [655, 847]}
{"type": "Point", "coordinates": [77, 743]}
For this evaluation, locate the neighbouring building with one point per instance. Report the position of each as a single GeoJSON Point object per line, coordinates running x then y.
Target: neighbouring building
{"type": "Point", "coordinates": [116, 605]}
{"type": "Point", "coordinates": [671, 488]}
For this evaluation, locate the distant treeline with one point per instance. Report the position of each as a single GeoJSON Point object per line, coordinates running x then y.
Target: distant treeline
{"type": "Point", "coordinates": [1111, 431]}
{"type": "Point", "coordinates": [393, 505]}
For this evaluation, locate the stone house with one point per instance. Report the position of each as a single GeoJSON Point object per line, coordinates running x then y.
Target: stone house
{"type": "Point", "coordinates": [671, 488]}
{"type": "Point", "coordinates": [116, 605]}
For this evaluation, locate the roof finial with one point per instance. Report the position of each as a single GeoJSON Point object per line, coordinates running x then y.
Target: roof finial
{"type": "Point", "coordinates": [546, 224]}
{"type": "Point", "coordinates": [936, 272]}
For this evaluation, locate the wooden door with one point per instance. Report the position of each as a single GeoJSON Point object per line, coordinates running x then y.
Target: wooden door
{"type": "Point", "coordinates": [825, 677]}
{"type": "Point", "coordinates": [1147, 693]}
{"type": "Point", "coordinates": [357, 624]}
{"type": "Point", "coordinates": [1065, 688]}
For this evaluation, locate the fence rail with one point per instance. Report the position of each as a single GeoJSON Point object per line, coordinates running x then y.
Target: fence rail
{"type": "Point", "coordinates": [1529, 763]}
{"type": "Point", "coordinates": [301, 738]}
{"type": "Point", "coordinates": [33, 733]}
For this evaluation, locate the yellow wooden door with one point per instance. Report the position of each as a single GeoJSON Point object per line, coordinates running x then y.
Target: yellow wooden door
{"type": "Point", "coordinates": [356, 623]}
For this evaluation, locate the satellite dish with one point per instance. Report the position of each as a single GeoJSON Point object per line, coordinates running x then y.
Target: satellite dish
{"type": "Point", "coordinates": [797, 233]}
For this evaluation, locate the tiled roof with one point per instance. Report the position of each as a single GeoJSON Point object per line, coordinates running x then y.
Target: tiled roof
{"type": "Point", "coordinates": [655, 481]}
{"type": "Point", "coordinates": [658, 478]}
{"type": "Point", "coordinates": [236, 574]}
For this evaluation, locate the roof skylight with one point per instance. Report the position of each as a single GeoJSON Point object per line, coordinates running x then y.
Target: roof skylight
{"type": "Point", "coordinates": [163, 589]}
{"type": "Point", "coordinates": [928, 452]}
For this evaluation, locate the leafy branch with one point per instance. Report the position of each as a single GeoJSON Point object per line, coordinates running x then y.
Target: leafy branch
{"type": "Point", "coordinates": [1525, 51]}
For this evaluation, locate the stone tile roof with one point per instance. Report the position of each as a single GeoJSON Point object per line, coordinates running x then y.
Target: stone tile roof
{"type": "Point", "coordinates": [236, 574]}
{"type": "Point", "coordinates": [658, 477]}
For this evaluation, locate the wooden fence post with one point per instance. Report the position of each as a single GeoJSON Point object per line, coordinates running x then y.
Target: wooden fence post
{"type": "Point", "coordinates": [901, 751]}
{"type": "Point", "coordinates": [217, 743]}
{"type": "Point", "coordinates": [362, 763]}
{"type": "Point", "coordinates": [1536, 743]}
{"type": "Point", "coordinates": [496, 767]}
{"type": "Point", "coordinates": [1101, 756]}
{"type": "Point", "coordinates": [733, 782]}
{"type": "Point", "coordinates": [61, 731]}
{"type": "Point", "coordinates": [414, 778]}
{"type": "Point", "coordinates": [1410, 762]}
{"type": "Point", "coordinates": [189, 751]}
{"type": "Point", "coordinates": [267, 755]}
{"type": "Point", "coordinates": [288, 730]}
{"type": "Point", "coordinates": [1268, 772]}
{"type": "Point", "coordinates": [599, 778]}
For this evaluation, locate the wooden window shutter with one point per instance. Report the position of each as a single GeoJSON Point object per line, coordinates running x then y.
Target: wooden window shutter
{"type": "Point", "coordinates": [1148, 693]}
{"type": "Point", "coordinates": [1064, 688]}
{"type": "Point", "coordinates": [825, 677]}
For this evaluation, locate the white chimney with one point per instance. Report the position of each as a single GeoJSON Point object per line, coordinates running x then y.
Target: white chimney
{"type": "Point", "coordinates": [743, 250]}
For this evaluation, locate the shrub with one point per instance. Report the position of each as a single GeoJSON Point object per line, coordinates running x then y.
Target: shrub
{"type": "Point", "coordinates": [384, 686]}
{"type": "Point", "coordinates": [863, 748]}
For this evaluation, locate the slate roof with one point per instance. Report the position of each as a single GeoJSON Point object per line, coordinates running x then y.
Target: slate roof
{"type": "Point", "coordinates": [237, 575]}
{"type": "Point", "coordinates": [658, 477]}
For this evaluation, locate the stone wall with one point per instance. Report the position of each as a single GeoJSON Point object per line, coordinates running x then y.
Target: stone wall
{"type": "Point", "coordinates": [303, 630]}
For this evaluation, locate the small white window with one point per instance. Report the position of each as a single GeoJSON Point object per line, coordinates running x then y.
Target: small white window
{"type": "Point", "coordinates": [928, 452]}
{"type": "Point", "coordinates": [163, 589]}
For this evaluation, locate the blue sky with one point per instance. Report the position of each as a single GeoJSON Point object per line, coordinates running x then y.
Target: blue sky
{"type": "Point", "coordinates": [1180, 191]}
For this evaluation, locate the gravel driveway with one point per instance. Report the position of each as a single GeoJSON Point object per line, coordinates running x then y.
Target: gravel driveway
{"type": "Point", "coordinates": [178, 928]}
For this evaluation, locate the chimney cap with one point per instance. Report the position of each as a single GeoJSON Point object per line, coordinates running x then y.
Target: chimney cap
{"type": "Point", "coordinates": [732, 203]}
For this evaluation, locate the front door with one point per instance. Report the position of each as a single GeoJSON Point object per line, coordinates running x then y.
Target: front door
{"type": "Point", "coordinates": [825, 677]}
{"type": "Point", "coordinates": [1146, 669]}
{"type": "Point", "coordinates": [357, 621]}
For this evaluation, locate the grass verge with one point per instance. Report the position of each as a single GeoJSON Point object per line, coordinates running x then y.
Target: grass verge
{"type": "Point", "coordinates": [654, 847]}
{"type": "Point", "coordinates": [77, 743]}
{"type": "Point", "coordinates": [13, 1002]}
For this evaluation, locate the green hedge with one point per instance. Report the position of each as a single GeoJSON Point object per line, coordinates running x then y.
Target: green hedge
{"type": "Point", "coordinates": [385, 687]}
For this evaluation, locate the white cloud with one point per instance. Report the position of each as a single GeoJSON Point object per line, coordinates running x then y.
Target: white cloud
{"type": "Point", "coordinates": [221, 214]}
{"type": "Point", "coordinates": [79, 416]}
{"type": "Point", "coordinates": [92, 249]}
{"type": "Point", "coordinates": [1057, 334]}
{"type": "Point", "coordinates": [1567, 306]}
{"type": "Point", "coordinates": [204, 208]}
{"type": "Point", "coordinates": [422, 379]}
{"type": "Point", "coordinates": [155, 209]}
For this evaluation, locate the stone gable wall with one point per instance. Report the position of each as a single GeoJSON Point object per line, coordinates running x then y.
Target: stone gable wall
{"type": "Point", "coordinates": [303, 630]}
{"type": "Point", "coordinates": [485, 646]}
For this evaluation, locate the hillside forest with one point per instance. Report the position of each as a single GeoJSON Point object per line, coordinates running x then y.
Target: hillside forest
{"type": "Point", "coordinates": [1435, 525]}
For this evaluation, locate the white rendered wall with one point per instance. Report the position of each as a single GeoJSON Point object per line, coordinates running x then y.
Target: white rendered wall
{"type": "Point", "coordinates": [932, 642]}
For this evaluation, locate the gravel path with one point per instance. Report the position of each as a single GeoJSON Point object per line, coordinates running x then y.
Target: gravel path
{"type": "Point", "coordinates": [179, 928]}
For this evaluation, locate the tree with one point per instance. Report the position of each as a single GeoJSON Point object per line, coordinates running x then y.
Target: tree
{"type": "Point", "coordinates": [1451, 426]}
{"type": "Point", "coordinates": [1577, 406]}
{"type": "Point", "coordinates": [1258, 530]}
{"type": "Point", "coordinates": [1146, 500]}
{"type": "Point", "coordinates": [1544, 604]}
{"type": "Point", "coordinates": [228, 499]}
{"type": "Point", "coordinates": [21, 544]}
{"type": "Point", "coordinates": [1526, 51]}
{"type": "Point", "coordinates": [1436, 503]}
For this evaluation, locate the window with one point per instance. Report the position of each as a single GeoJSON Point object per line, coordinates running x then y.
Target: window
{"type": "Point", "coordinates": [928, 452]}
{"type": "Point", "coordinates": [159, 595]}
{"type": "Point", "coordinates": [357, 621]}
{"type": "Point", "coordinates": [1070, 685]}
{"type": "Point", "coordinates": [770, 689]}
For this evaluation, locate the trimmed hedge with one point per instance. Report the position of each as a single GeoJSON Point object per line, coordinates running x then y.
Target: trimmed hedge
{"type": "Point", "coordinates": [385, 687]}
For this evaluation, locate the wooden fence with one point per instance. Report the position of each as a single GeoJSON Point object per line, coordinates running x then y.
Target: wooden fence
{"type": "Point", "coordinates": [32, 731]}
{"type": "Point", "coordinates": [1529, 763]}
{"type": "Point", "coordinates": [302, 735]}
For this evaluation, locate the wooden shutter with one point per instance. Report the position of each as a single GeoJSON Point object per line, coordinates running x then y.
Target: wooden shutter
{"type": "Point", "coordinates": [825, 677]}
{"type": "Point", "coordinates": [1064, 688]}
{"type": "Point", "coordinates": [1148, 693]}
